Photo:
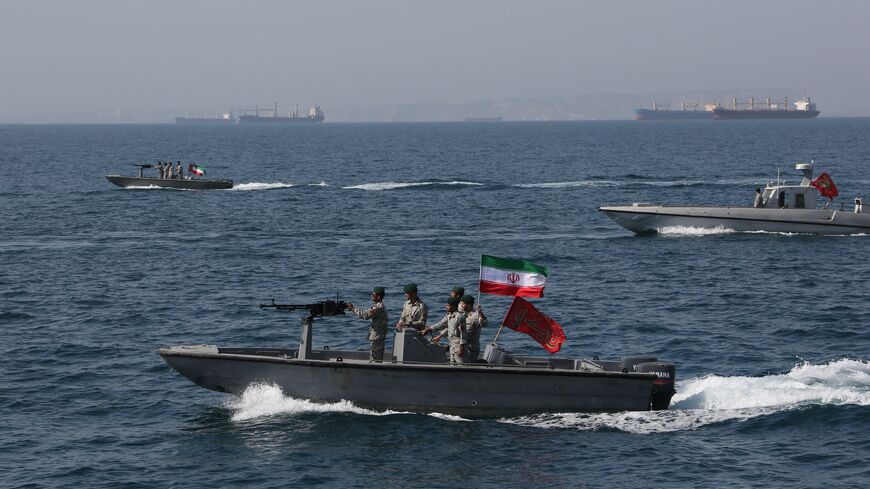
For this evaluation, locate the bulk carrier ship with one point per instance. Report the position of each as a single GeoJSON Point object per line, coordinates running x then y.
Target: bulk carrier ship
{"type": "Point", "coordinates": [314, 115]}
{"type": "Point", "coordinates": [803, 109]}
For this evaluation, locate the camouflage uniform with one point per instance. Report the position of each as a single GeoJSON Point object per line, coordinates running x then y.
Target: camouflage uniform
{"type": "Point", "coordinates": [473, 323]}
{"type": "Point", "coordinates": [453, 324]}
{"type": "Point", "coordinates": [415, 314]}
{"type": "Point", "coordinates": [378, 329]}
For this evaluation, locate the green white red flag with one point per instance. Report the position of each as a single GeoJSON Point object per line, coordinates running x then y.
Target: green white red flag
{"type": "Point", "coordinates": [523, 317]}
{"type": "Point", "coordinates": [507, 276]}
{"type": "Point", "coordinates": [195, 170]}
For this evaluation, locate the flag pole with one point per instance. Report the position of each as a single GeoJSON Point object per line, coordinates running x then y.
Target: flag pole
{"type": "Point", "coordinates": [497, 333]}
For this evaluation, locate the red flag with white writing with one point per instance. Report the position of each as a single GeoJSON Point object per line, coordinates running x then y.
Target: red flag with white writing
{"type": "Point", "coordinates": [523, 317]}
{"type": "Point", "coordinates": [826, 186]}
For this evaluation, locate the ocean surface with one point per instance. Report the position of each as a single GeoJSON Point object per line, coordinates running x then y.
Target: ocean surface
{"type": "Point", "coordinates": [769, 332]}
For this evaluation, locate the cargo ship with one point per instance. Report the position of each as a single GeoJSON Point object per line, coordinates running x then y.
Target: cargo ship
{"type": "Point", "coordinates": [314, 115]}
{"type": "Point", "coordinates": [222, 118]}
{"type": "Point", "coordinates": [688, 110]}
{"type": "Point", "coordinates": [803, 109]}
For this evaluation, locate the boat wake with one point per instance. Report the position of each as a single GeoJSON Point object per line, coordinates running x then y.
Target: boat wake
{"type": "Point", "coordinates": [693, 231]}
{"type": "Point", "coordinates": [716, 399]}
{"type": "Point", "coordinates": [632, 183]}
{"type": "Point", "coordinates": [402, 185]}
{"type": "Point", "coordinates": [261, 186]}
{"type": "Point", "coordinates": [261, 400]}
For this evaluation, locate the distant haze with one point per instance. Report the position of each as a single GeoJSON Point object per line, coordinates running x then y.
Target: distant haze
{"type": "Point", "coordinates": [133, 61]}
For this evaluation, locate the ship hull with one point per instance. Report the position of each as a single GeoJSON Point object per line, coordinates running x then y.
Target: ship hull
{"type": "Point", "coordinates": [653, 219]}
{"type": "Point", "coordinates": [664, 115]}
{"type": "Point", "coordinates": [252, 119]}
{"type": "Point", "coordinates": [182, 184]}
{"type": "Point", "coordinates": [210, 122]}
{"type": "Point", "coordinates": [729, 114]}
{"type": "Point", "coordinates": [473, 390]}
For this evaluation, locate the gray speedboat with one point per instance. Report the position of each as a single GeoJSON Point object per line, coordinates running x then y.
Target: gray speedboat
{"type": "Point", "coordinates": [416, 376]}
{"type": "Point", "coordinates": [188, 183]}
{"type": "Point", "coordinates": [783, 209]}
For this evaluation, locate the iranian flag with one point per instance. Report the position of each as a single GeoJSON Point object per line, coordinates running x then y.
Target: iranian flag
{"type": "Point", "coordinates": [506, 276]}
{"type": "Point", "coordinates": [195, 170]}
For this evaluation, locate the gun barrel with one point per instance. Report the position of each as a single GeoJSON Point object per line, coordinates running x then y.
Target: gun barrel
{"type": "Point", "coordinates": [323, 308]}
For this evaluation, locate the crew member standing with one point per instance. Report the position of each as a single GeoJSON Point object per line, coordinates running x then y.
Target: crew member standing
{"type": "Point", "coordinates": [759, 198]}
{"type": "Point", "coordinates": [415, 312]}
{"type": "Point", "coordinates": [179, 171]}
{"type": "Point", "coordinates": [474, 320]}
{"type": "Point", "coordinates": [457, 292]}
{"type": "Point", "coordinates": [378, 328]}
{"type": "Point", "coordinates": [453, 324]}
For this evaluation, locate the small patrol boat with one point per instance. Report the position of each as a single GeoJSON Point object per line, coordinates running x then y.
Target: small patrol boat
{"type": "Point", "coordinates": [187, 183]}
{"type": "Point", "coordinates": [783, 208]}
{"type": "Point", "coordinates": [416, 376]}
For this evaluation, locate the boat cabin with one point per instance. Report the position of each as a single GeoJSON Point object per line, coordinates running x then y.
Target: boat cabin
{"type": "Point", "coordinates": [803, 196]}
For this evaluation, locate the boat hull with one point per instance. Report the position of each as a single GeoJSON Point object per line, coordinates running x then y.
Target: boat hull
{"type": "Point", "coordinates": [474, 390]}
{"type": "Point", "coordinates": [253, 119]}
{"type": "Point", "coordinates": [652, 219]}
{"type": "Point", "coordinates": [730, 114]}
{"type": "Point", "coordinates": [191, 184]}
{"type": "Point", "coordinates": [669, 115]}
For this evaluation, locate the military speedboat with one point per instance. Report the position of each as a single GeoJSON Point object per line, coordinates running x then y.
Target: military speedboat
{"type": "Point", "coordinates": [187, 183]}
{"type": "Point", "coordinates": [782, 208]}
{"type": "Point", "coordinates": [416, 376]}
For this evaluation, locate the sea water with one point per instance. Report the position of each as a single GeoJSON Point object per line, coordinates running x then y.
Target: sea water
{"type": "Point", "coordinates": [769, 332]}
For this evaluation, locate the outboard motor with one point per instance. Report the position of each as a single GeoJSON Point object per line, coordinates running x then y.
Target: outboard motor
{"type": "Point", "coordinates": [629, 364]}
{"type": "Point", "coordinates": [663, 387]}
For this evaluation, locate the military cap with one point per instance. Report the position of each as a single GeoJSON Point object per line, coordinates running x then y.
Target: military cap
{"type": "Point", "coordinates": [410, 288]}
{"type": "Point", "coordinates": [468, 299]}
{"type": "Point", "coordinates": [459, 290]}
{"type": "Point", "coordinates": [378, 290]}
{"type": "Point", "coordinates": [453, 301]}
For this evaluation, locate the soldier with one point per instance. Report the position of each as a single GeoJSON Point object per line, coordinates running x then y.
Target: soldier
{"type": "Point", "coordinates": [179, 172]}
{"type": "Point", "coordinates": [415, 312]}
{"type": "Point", "coordinates": [457, 292]}
{"type": "Point", "coordinates": [453, 324]}
{"type": "Point", "coordinates": [378, 329]}
{"type": "Point", "coordinates": [474, 320]}
{"type": "Point", "coordinates": [160, 170]}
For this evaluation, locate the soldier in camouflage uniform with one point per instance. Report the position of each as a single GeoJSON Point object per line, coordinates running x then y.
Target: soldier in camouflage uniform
{"type": "Point", "coordinates": [474, 320]}
{"type": "Point", "coordinates": [453, 324]}
{"type": "Point", "coordinates": [378, 329]}
{"type": "Point", "coordinates": [457, 292]}
{"type": "Point", "coordinates": [415, 312]}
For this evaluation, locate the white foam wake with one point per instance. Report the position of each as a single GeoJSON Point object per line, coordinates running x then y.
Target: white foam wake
{"type": "Point", "coordinates": [261, 186]}
{"type": "Point", "coordinates": [396, 185]}
{"type": "Point", "coordinates": [260, 400]}
{"type": "Point", "coordinates": [579, 183]}
{"type": "Point", "coordinates": [693, 231]}
{"type": "Point", "coordinates": [716, 399]}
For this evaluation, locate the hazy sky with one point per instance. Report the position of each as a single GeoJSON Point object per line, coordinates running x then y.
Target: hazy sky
{"type": "Point", "coordinates": [86, 55]}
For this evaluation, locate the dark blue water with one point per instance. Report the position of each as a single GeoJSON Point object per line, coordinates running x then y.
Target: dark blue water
{"type": "Point", "coordinates": [769, 332]}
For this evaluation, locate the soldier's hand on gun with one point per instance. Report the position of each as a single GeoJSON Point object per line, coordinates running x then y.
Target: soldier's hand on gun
{"type": "Point", "coordinates": [400, 325]}
{"type": "Point", "coordinates": [436, 339]}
